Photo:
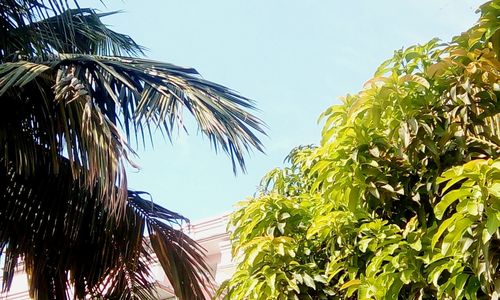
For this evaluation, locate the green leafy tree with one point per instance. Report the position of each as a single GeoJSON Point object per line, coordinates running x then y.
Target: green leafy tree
{"type": "Point", "coordinates": [401, 200]}
{"type": "Point", "coordinates": [74, 96]}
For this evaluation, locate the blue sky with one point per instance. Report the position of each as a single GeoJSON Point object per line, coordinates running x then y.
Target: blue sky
{"type": "Point", "coordinates": [294, 58]}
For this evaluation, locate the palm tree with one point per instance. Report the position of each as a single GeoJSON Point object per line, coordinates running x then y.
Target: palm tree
{"type": "Point", "coordinates": [73, 96]}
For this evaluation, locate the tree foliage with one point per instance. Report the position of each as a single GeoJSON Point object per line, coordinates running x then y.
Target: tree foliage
{"type": "Point", "coordinates": [74, 96]}
{"type": "Point", "coordinates": [401, 200]}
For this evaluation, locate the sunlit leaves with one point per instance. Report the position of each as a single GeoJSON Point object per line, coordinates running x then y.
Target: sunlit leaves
{"type": "Point", "coordinates": [472, 226]}
{"type": "Point", "coordinates": [401, 198]}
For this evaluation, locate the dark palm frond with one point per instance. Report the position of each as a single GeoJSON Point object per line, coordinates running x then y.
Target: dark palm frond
{"type": "Point", "coordinates": [41, 29]}
{"type": "Point", "coordinates": [74, 106]}
{"type": "Point", "coordinates": [130, 279]}
{"type": "Point", "coordinates": [57, 115]}
{"type": "Point", "coordinates": [88, 36]}
{"type": "Point", "coordinates": [66, 123]}
{"type": "Point", "coordinates": [180, 256]}
{"type": "Point", "coordinates": [64, 237]}
{"type": "Point", "coordinates": [153, 92]}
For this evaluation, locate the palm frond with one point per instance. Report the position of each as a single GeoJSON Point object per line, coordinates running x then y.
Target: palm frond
{"type": "Point", "coordinates": [64, 237]}
{"type": "Point", "coordinates": [56, 115]}
{"type": "Point", "coordinates": [38, 30]}
{"type": "Point", "coordinates": [74, 106]}
{"type": "Point", "coordinates": [66, 125]}
{"type": "Point", "coordinates": [153, 92]}
{"type": "Point", "coordinates": [180, 256]}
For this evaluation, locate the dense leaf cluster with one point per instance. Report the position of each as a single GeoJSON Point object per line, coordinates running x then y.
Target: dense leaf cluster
{"type": "Point", "coordinates": [401, 200]}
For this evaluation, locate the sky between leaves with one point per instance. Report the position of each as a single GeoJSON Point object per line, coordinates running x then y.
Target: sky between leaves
{"type": "Point", "coordinates": [294, 58]}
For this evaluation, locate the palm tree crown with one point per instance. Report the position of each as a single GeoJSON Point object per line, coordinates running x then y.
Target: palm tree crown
{"type": "Point", "coordinates": [74, 94]}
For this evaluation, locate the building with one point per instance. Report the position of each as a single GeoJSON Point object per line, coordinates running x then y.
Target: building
{"type": "Point", "coordinates": [210, 233]}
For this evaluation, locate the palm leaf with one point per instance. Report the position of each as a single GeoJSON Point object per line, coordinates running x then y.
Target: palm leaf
{"type": "Point", "coordinates": [94, 94]}
{"type": "Point", "coordinates": [38, 29]}
{"type": "Point", "coordinates": [180, 256]}
{"type": "Point", "coordinates": [78, 244]}
{"type": "Point", "coordinates": [66, 125]}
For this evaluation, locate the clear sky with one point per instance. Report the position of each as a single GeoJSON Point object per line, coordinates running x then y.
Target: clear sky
{"type": "Point", "coordinates": [294, 58]}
